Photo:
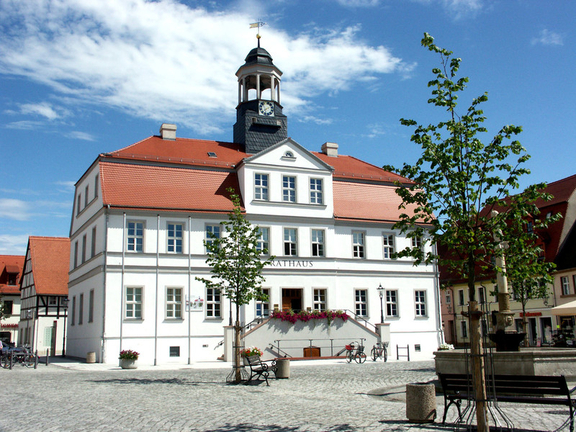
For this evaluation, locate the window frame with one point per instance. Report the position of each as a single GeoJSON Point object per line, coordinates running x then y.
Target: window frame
{"type": "Point", "coordinates": [289, 242]}
{"type": "Point", "coordinates": [316, 191]}
{"type": "Point", "coordinates": [320, 299]}
{"type": "Point", "coordinates": [565, 285]}
{"type": "Point", "coordinates": [420, 304]}
{"type": "Point", "coordinates": [361, 302]}
{"type": "Point", "coordinates": [392, 309]}
{"type": "Point", "coordinates": [388, 245]}
{"type": "Point", "coordinates": [318, 248]}
{"type": "Point", "coordinates": [288, 188]}
{"type": "Point", "coordinates": [261, 187]}
{"type": "Point", "coordinates": [91, 306]}
{"type": "Point", "coordinates": [213, 304]}
{"type": "Point", "coordinates": [172, 240]}
{"type": "Point", "coordinates": [135, 306]}
{"type": "Point", "coordinates": [263, 242]}
{"type": "Point", "coordinates": [463, 329]}
{"type": "Point", "coordinates": [93, 243]}
{"type": "Point", "coordinates": [262, 307]}
{"type": "Point", "coordinates": [207, 238]}
{"type": "Point", "coordinates": [359, 247]}
{"type": "Point", "coordinates": [135, 241]}
{"type": "Point", "coordinates": [81, 309]}
{"type": "Point", "coordinates": [173, 306]}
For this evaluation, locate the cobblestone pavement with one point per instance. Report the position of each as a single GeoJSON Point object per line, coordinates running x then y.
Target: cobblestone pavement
{"type": "Point", "coordinates": [318, 396]}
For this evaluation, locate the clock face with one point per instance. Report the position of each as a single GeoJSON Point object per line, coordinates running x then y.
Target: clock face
{"type": "Point", "coordinates": [266, 108]}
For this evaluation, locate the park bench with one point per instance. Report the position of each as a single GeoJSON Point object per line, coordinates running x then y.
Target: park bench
{"type": "Point", "coordinates": [529, 389]}
{"type": "Point", "coordinates": [260, 369]}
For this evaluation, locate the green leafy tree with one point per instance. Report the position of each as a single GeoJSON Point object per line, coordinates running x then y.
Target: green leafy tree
{"type": "Point", "coordinates": [458, 180]}
{"type": "Point", "coordinates": [236, 264]}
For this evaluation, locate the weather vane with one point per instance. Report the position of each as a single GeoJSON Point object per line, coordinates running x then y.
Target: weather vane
{"type": "Point", "coordinates": [257, 25]}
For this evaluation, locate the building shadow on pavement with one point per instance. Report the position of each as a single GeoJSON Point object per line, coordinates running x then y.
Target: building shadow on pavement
{"type": "Point", "coordinates": [247, 427]}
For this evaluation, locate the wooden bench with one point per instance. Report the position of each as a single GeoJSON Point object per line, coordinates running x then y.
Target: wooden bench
{"type": "Point", "coordinates": [260, 369]}
{"type": "Point", "coordinates": [529, 389]}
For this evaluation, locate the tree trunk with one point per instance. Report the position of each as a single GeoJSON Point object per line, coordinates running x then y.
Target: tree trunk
{"type": "Point", "coordinates": [478, 367]}
{"type": "Point", "coordinates": [237, 359]}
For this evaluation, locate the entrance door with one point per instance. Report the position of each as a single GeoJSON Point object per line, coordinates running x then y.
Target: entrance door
{"type": "Point", "coordinates": [292, 299]}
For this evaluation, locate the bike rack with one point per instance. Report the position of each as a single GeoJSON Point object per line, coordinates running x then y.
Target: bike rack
{"type": "Point", "coordinates": [398, 355]}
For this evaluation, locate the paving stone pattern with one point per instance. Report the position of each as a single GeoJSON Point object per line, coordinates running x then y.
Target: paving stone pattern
{"type": "Point", "coordinates": [318, 397]}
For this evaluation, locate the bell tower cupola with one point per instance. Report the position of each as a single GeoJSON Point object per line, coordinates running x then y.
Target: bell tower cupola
{"type": "Point", "coordinates": [259, 119]}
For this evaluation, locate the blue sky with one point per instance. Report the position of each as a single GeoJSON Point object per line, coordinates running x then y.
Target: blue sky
{"type": "Point", "coordinates": [82, 77]}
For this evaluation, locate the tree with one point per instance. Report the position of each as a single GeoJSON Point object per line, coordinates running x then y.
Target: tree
{"type": "Point", "coordinates": [458, 180]}
{"type": "Point", "coordinates": [236, 263]}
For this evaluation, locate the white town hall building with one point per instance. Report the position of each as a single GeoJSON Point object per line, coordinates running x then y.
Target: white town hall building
{"type": "Point", "coordinates": [142, 213]}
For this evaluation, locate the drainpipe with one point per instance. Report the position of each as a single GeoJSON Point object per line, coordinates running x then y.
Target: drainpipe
{"type": "Point", "coordinates": [189, 286]}
{"type": "Point", "coordinates": [122, 276]}
{"type": "Point", "coordinates": [157, 282]}
{"type": "Point", "coordinates": [103, 343]}
{"type": "Point", "coordinates": [440, 333]}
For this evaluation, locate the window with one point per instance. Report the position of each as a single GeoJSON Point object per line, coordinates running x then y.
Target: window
{"type": "Point", "coordinates": [213, 303]}
{"type": "Point", "coordinates": [174, 351]}
{"type": "Point", "coordinates": [135, 239]}
{"type": "Point", "coordinates": [461, 297]}
{"type": "Point", "coordinates": [7, 307]}
{"type": "Point", "coordinates": [84, 248]}
{"type": "Point", "coordinates": [417, 243]}
{"type": "Point", "coordinates": [360, 302]}
{"type": "Point", "coordinates": [565, 282]}
{"type": "Point", "coordinates": [358, 244]}
{"type": "Point", "coordinates": [174, 303]}
{"type": "Point", "coordinates": [263, 244]}
{"type": "Point", "coordinates": [420, 303]}
{"type": "Point", "coordinates": [530, 227]}
{"type": "Point", "coordinates": [93, 244]}
{"type": "Point", "coordinates": [290, 237]}
{"type": "Point", "coordinates": [96, 186]}
{"type": "Point", "coordinates": [91, 306]}
{"type": "Point", "coordinates": [175, 237]}
{"type": "Point", "coordinates": [481, 295]}
{"type": "Point", "coordinates": [263, 306]}
{"type": "Point", "coordinates": [73, 315]}
{"type": "Point", "coordinates": [133, 303]}
{"type": "Point", "coordinates": [391, 303]}
{"type": "Point", "coordinates": [288, 189]}
{"type": "Point", "coordinates": [212, 232]}
{"type": "Point", "coordinates": [319, 302]}
{"type": "Point", "coordinates": [463, 329]}
{"type": "Point", "coordinates": [76, 254]}
{"type": "Point", "coordinates": [86, 199]}
{"type": "Point", "coordinates": [388, 240]}
{"type": "Point", "coordinates": [448, 297]}
{"type": "Point", "coordinates": [317, 243]}
{"type": "Point", "coordinates": [78, 203]}
{"type": "Point", "coordinates": [316, 191]}
{"type": "Point", "coordinates": [81, 310]}
{"type": "Point", "coordinates": [261, 187]}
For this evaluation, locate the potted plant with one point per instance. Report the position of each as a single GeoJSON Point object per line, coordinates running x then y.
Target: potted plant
{"type": "Point", "coordinates": [128, 359]}
{"type": "Point", "coordinates": [250, 351]}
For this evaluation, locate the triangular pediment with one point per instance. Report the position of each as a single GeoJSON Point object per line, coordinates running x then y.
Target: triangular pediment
{"type": "Point", "coordinates": [288, 154]}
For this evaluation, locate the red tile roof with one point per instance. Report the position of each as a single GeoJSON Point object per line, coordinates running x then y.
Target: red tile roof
{"type": "Point", "coordinates": [561, 191]}
{"type": "Point", "coordinates": [162, 174]}
{"type": "Point", "coordinates": [166, 188]}
{"type": "Point", "coordinates": [10, 264]}
{"type": "Point", "coordinates": [50, 258]}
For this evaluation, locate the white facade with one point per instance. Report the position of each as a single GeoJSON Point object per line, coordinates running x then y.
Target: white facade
{"type": "Point", "coordinates": [127, 299]}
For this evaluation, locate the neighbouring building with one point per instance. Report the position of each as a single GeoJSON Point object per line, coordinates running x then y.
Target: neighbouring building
{"type": "Point", "coordinates": [10, 273]}
{"type": "Point", "coordinates": [44, 295]}
{"type": "Point", "coordinates": [142, 213]}
{"type": "Point", "coordinates": [558, 242]}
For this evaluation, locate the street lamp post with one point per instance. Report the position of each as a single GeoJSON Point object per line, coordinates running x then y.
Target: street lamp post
{"type": "Point", "coordinates": [381, 295]}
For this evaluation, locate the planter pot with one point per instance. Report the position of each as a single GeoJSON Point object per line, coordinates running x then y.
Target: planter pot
{"type": "Point", "coordinates": [128, 364]}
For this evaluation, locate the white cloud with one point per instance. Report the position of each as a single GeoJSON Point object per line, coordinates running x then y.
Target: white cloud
{"type": "Point", "coordinates": [547, 37]}
{"type": "Point", "coordinates": [458, 9]}
{"type": "Point", "coordinates": [78, 135]}
{"type": "Point", "coordinates": [14, 209]}
{"type": "Point", "coordinates": [13, 244]}
{"type": "Point", "coordinates": [43, 109]}
{"type": "Point", "coordinates": [165, 61]}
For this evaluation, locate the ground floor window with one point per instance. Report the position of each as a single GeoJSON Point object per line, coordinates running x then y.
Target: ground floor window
{"type": "Point", "coordinates": [319, 303]}
{"type": "Point", "coordinates": [263, 306]}
{"type": "Point", "coordinates": [463, 329]}
{"type": "Point", "coordinates": [213, 305]}
{"type": "Point", "coordinates": [420, 303]}
{"type": "Point", "coordinates": [174, 303]}
{"type": "Point", "coordinates": [133, 303]}
{"type": "Point", "coordinates": [360, 302]}
{"type": "Point", "coordinates": [391, 303]}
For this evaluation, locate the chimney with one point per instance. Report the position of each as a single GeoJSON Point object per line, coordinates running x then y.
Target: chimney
{"type": "Point", "coordinates": [330, 149]}
{"type": "Point", "coordinates": [168, 131]}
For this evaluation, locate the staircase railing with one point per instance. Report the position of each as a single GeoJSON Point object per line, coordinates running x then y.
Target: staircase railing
{"type": "Point", "coordinates": [362, 320]}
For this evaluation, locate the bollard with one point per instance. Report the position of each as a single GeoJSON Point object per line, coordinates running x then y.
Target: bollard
{"type": "Point", "coordinates": [421, 402]}
{"type": "Point", "coordinates": [47, 356]}
{"type": "Point", "coordinates": [283, 368]}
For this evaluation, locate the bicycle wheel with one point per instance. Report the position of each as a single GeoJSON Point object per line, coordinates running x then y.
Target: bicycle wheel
{"type": "Point", "coordinates": [349, 356]}
{"type": "Point", "coordinates": [360, 358]}
{"type": "Point", "coordinates": [374, 354]}
{"type": "Point", "coordinates": [29, 360]}
{"type": "Point", "coordinates": [385, 352]}
{"type": "Point", "coordinates": [5, 361]}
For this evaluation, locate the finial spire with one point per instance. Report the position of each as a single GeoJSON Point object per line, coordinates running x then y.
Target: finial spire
{"type": "Point", "coordinates": [258, 24]}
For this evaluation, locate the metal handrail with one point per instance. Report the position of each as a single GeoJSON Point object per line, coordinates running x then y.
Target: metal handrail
{"type": "Point", "coordinates": [362, 320]}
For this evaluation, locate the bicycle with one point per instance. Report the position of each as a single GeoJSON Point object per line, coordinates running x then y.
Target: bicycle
{"type": "Point", "coordinates": [17, 356]}
{"type": "Point", "coordinates": [380, 351]}
{"type": "Point", "coordinates": [355, 351]}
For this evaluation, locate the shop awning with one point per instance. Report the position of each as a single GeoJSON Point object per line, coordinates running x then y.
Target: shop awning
{"type": "Point", "coordinates": [565, 309]}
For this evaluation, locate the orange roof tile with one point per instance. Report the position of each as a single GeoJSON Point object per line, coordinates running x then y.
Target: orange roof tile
{"type": "Point", "coordinates": [10, 264]}
{"type": "Point", "coordinates": [50, 258]}
{"type": "Point", "coordinates": [167, 188]}
{"type": "Point", "coordinates": [365, 201]}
